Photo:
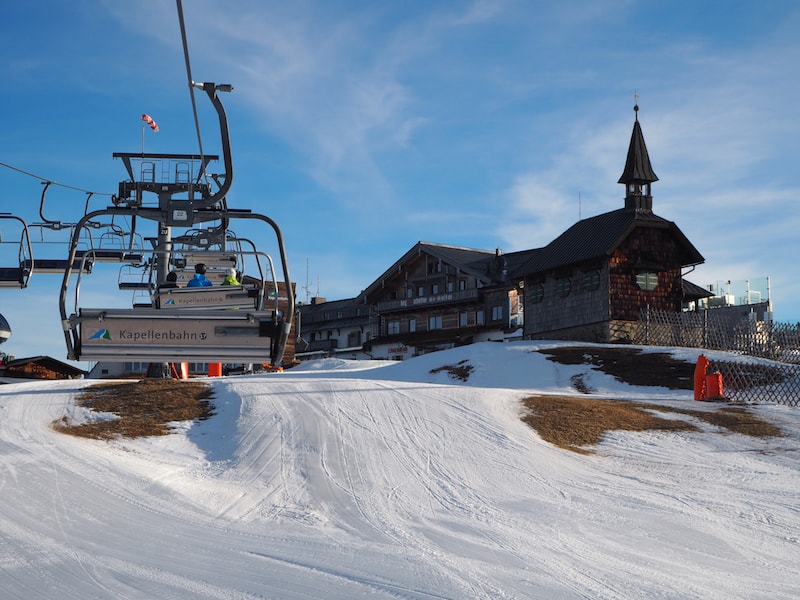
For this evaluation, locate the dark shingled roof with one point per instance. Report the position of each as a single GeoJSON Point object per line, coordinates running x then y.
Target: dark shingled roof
{"type": "Point", "coordinates": [456, 256]}
{"type": "Point", "coordinates": [637, 166]}
{"type": "Point", "coordinates": [598, 237]}
{"type": "Point", "coordinates": [692, 291]}
{"type": "Point", "coordinates": [510, 262]}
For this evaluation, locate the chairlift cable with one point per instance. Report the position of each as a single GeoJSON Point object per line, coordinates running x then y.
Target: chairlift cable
{"type": "Point", "coordinates": [47, 181]}
{"type": "Point", "coordinates": [191, 81]}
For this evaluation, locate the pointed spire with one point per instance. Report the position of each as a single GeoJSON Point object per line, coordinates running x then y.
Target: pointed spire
{"type": "Point", "coordinates": [638, 173]}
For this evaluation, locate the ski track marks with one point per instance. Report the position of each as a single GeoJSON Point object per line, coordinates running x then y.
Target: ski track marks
{"type": "Point", "coordinates": [350, 485]}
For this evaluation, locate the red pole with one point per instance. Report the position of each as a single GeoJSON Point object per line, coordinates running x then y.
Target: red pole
{"type": "Point", "coordinates": [700, 370]}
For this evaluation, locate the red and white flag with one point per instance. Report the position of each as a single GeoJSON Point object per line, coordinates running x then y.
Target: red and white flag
{"type": "Point", "coordinates": [149, 120]}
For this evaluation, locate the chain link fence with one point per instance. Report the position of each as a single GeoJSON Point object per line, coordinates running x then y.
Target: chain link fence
{"type": "Point", "coordinates": [778, 383]}
{"type": "Point", "coordinates": [744, 381]}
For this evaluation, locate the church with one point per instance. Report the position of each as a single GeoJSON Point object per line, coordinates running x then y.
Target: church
{"type": "Point", "coordinates": [592, 281]}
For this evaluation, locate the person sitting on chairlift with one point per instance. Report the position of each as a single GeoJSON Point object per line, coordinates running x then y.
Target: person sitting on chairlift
{"type": "Point", "coordinates": [171, 281]}
{"type": "Point", "coordinates": [199, 279]}
{"type": "Point", "coordinates": [231, 278]}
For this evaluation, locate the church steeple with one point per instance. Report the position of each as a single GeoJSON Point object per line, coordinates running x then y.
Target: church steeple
{"type": "Point", "coordinates": [638, 173]}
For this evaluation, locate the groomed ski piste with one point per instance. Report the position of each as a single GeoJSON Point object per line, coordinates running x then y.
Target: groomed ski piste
{"type": "Point", "coordinates": [347, 480]}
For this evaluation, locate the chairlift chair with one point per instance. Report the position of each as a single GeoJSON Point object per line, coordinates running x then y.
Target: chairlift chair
{"type": "Point", "coordinates": [48, 264]}
{"type": "Point", "coordinates": [17, 275]}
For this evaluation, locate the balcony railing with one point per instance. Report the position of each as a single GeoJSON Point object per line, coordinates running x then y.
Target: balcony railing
{"type": "Point", "coordinates": [329, 344]}
{"type": "Point", "coordinates": [410, 303]}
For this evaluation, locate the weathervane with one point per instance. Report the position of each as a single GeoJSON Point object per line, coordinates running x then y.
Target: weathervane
{"type": "Point", "coordinates": [636, 104]}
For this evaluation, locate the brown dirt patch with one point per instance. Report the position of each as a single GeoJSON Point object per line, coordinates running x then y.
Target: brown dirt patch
{"type": "Point", "coordinates": [459, 371]}
{"type": "Point", "coordinates": [575, 423]}
{"type": "Point", "coordinates": [144, 408]}
{"type": "Point", "coordinates": [629, 365]}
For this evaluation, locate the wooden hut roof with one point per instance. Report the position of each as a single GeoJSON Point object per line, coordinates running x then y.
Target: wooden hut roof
{"type": "Point", "coordinates": [598, 237]}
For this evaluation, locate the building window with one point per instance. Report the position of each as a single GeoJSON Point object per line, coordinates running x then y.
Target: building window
{"type": "Point", "coordinates": [563, 286]}
{"type": "Point", "coordinates": [450, 287]}
{"type": "Point", "coordinates": [410, 293]}
{"type": "Point", "coordinates": [647, 280]}
{"type": "Point", "coordinates": [480, 318]}
{"type": "Point", "coordinates": [497, 313]}
{"type": "Point", "coordinates": [434, 322]}
{"type": "Point", "coordinates": [462, 319]}
{"type": "Point", "coordinates": [536, 293]}
{"type": "Point", "coordinates": [434, 289]}
{"type": "Point", "coordinates": [591, 280]}
{"type": "Point", "coordinates": [393, 327]}
{"type": "Point", "coordinates": [420, 291]}
{"type": "Point", "coordinates": [462, 285]}
{"type": "Point", "coordinates": [435, 267]}
{"type": "Point", "coordinates": [412, 325]}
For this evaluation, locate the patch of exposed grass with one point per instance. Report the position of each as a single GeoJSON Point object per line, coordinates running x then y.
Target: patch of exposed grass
{"type": "Point", "coordinates": [575, 423]}
{"type": "Point", "coordinates": [460, 371]}
{"type": "Point", "coordinates": [733, 418]}
{"type": "Point", "coordinates": [144, 408]}
{"type": "Point", "coordinates": [629, 365]}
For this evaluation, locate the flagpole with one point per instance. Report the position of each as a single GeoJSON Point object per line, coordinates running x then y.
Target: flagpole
{"type": "Point", "coordinates": [142, 141]}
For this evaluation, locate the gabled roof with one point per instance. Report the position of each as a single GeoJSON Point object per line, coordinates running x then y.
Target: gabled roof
{"type": "Point", "coordinates": [47, 362]}
{"type": "Point", "coordinates": [598, 237]}
{"type": "Point", "coordinates": [468, 260]}
{"type": "Point", "coordinates": [510, 263]}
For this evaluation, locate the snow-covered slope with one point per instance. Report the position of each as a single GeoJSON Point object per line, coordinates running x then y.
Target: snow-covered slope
{"type": "Point", "coordinates": [342, 480]}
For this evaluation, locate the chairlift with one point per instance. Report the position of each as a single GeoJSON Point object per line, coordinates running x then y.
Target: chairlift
{"type": "Point", "coordinates": [134, 277]}
{"type": "Point", "coordinates": [17, 275]}
{"type": "Point", "coordinates": [212, 324]}
{"type": "Point", "coordinates": [55, 266]}
{"type": "Point", "coordinates": [117, 245]}
{"type": "Point", "coordinates": [245, 323]}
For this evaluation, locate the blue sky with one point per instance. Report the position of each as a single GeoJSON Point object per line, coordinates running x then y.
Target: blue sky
{"type": "Point", "coordinates": [364, 127]}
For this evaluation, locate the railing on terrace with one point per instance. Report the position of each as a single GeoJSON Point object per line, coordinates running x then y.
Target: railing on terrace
{"type": "Point", "coordinates": [459, 296]}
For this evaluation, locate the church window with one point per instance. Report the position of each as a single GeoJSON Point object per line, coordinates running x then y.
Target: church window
{"type": "Point", "coordinates": [591, 280]}
{"type": "Point", "coordinates": [536, 292]}
{"type": "Point", "coordinates": [563, 286]}
{"type": "Point", "coordinates": [647, 280]}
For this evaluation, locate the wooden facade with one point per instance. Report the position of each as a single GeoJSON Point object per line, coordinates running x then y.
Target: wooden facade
{"type": "Point", "coordinates": [439, 296]}
{"type": "Point", "coordinates": [630, 280]}
{"type": "Point", "coordinates": [39, 367]}
{"type": "Point", "coordinates": [592, 282]}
